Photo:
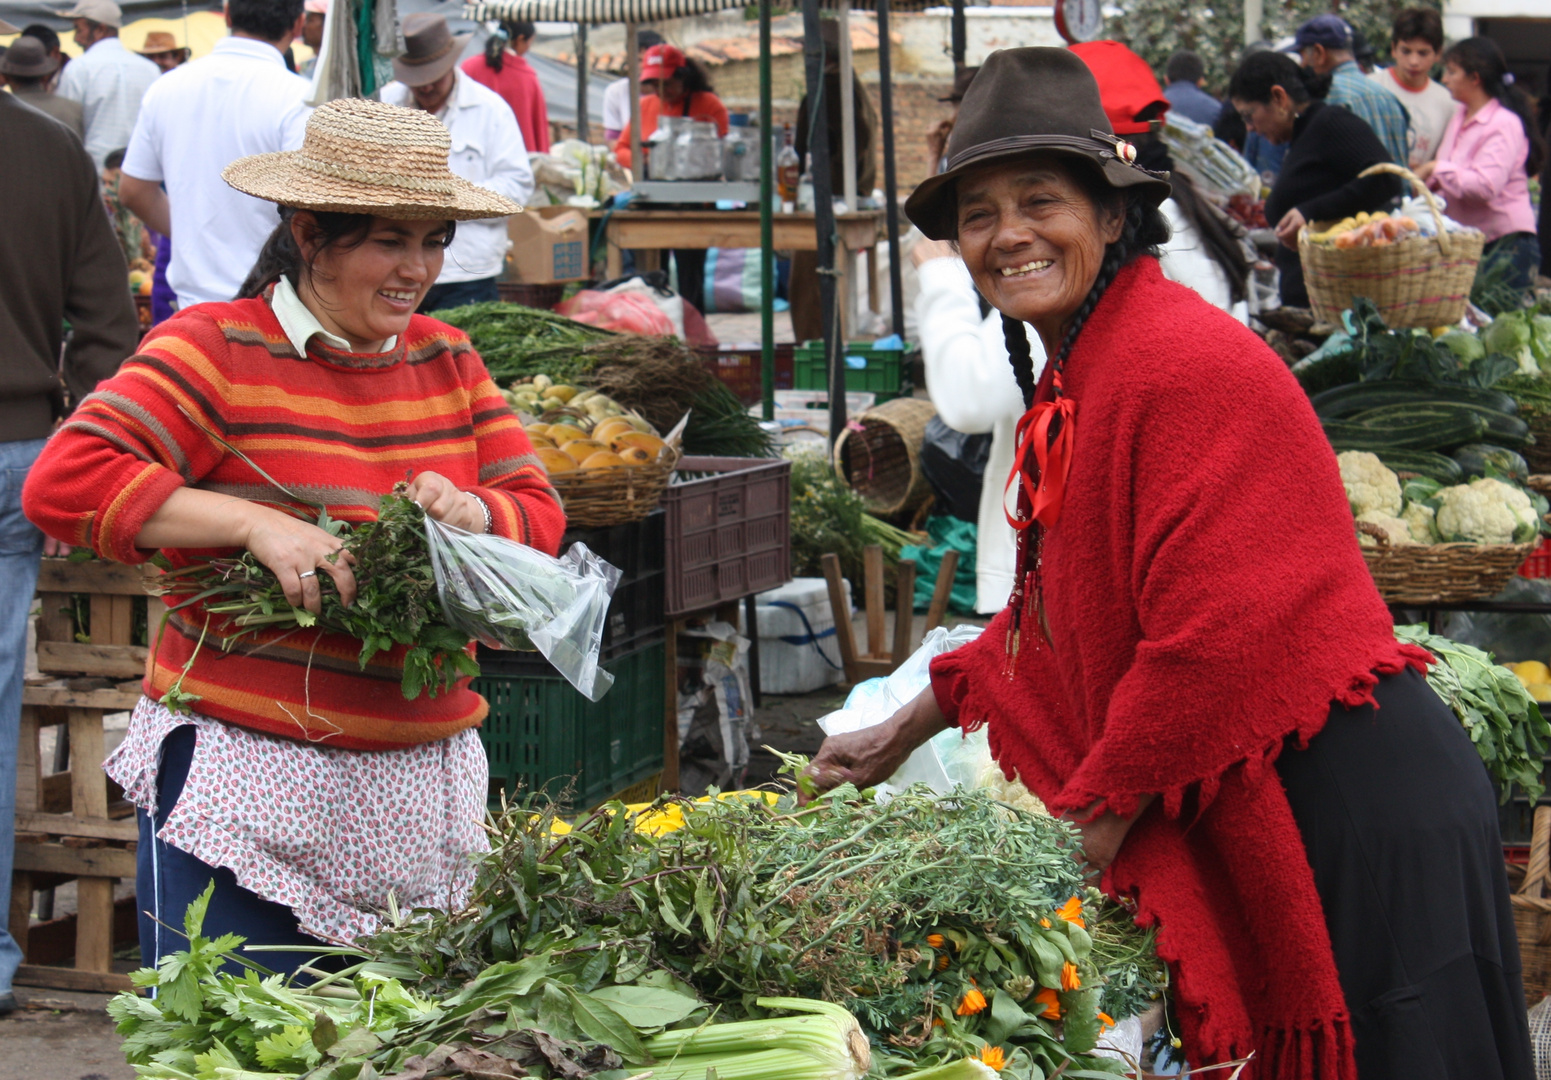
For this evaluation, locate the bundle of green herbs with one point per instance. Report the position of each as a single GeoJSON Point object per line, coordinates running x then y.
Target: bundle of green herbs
{"type": "Point", "coordinates": [519, 342]}
{"type": "Point", "coordinates": [396, 599]}
{"type": "Point", "coordinates": [829, 518]}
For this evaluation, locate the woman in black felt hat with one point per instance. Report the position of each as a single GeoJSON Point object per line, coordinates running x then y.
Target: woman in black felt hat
{"type": "Point", "coordinates": [1195, 666]}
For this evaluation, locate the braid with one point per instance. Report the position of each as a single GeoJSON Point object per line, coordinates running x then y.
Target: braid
{"type": "Point", "coordinates": [1137, 236]}
{"type": "Point", "coordinates": [1022, 358]}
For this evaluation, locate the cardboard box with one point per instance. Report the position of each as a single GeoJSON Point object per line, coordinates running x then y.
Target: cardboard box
{"type": "Point", "coordinates": [549, 245]}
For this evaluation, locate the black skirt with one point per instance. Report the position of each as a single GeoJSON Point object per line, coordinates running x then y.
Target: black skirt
{"type": "Point", "coordinates": [1400, 822]}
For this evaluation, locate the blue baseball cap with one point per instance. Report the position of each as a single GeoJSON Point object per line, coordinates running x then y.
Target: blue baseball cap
{"type": "Point", "coordinates": [1330, 31]}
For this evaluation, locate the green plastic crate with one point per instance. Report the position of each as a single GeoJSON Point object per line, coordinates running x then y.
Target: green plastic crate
{"type": "Point", "coordinates": [885, 375]}
{"type": "Point", "coordinates": [542, 735]}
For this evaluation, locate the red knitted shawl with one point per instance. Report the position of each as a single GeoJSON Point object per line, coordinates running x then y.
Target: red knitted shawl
{"type": "Point", "coordinates": [1206, 599]}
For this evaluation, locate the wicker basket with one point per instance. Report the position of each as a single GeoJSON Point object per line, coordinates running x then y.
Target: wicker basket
{"type": "Point", "coordinates": [879, 455]}
{"type": "Point", "coordinates": [1538, 454]}
{"type": "Point", "coordinates": [593, 498]}
{"type": "Point", "coordinates": [1532, 911]}
{"type": "Point", "coordinates": [1422, 281]}
{"type": "Point", "coordinates": [1540, 482]}
{"type": "Point", "coordinates": [1422, 574]}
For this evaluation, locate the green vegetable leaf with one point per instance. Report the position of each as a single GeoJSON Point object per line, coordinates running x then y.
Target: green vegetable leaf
{"type": "Point", "coordinates": [601, 1023]}
{"type": "Point", "coordinates": [646, 1007]}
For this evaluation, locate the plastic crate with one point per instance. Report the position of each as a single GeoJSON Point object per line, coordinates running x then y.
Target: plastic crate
{"type": "Point", "coordinates": [742, 369]}
{"type": "Point", "coordinates": [542, 735]}
{"type": "Point", "coordinates": [635, 618]}
{"type": "Point", "coordinates": [1538, 565]}
{"type": "Point", "coordinates": [886, 373]}
{"type": "Point", "coordinates": [728, 534]}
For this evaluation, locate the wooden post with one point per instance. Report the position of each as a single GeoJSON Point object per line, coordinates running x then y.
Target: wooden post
{"type": "Point", "coordinates": [633, 62]}
{"type": "Point", "coordinates": [872, 569]}
{"type": "Point", "coordinates": [847, 113]}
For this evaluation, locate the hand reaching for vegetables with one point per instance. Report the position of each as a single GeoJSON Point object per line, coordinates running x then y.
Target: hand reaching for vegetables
{"type": "Point", "coordinates": [874, 754]}
{"type": "Point", "coordinates": [1103, 835]}
{"type": "Point", "coordinates": [1287, 228]}
{"type": "Point", "coordinates": [446, 502]}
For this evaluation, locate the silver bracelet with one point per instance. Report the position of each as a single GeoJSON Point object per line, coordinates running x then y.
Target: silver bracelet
{"type": "Point", "coordinates": [484, 506]}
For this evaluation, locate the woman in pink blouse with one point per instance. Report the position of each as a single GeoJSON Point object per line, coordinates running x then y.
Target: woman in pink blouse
{"type": "Point", "coordinates": [1489, 151]}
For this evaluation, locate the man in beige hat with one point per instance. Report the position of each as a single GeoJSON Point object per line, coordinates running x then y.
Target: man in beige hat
{"type": "Point", "coordinates": [487, 150]}
{"type": "Point", "coordinates": [163, 50]}
{"type": "Point", "coordinates": [26, 68]}
{"type": "Point", "coordinates": [107, 79]}
{"type": "Point", "coordinates": [198, 119]}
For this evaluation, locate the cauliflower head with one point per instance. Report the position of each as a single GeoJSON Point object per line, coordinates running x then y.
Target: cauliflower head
{"type": "Point", "coordinates": [1486, 511]}
{"type": "Point", "coordinates": [1419, 518]}
{"type": "Point", "coordinates": [1397, 530]}
{"type": "Point", "coordinates": [1369, 485]}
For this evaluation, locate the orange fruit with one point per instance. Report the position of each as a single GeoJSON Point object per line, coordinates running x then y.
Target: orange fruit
{"type": "Point", "coordinates": [555, 461]}
{"type": "Point", "coordinates": [606, 431]}
{"type": "Point", "coordinates": [603, 459]}
{"type": "Point", "coordinates": [634, 455]}
{"type": "Point", "coordinates": [580, 446]}
{"type": "Point", "coordinates": [650, 443]}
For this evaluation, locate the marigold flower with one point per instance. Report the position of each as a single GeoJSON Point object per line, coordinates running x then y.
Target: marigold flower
{"type": "Point", "coordinates": [993, 1057]}
{"type": "Point", "coordinates": [1070, 980]}
{"type": "Point", "coordinates": [1107, 1020]}
{"type": "Point", "coordinates": [942, 962]}
{"type": "Point", "coordinates": [937, 1022]}
{"type": "Point", "coordinates": [1045, 923]}
{"type": "Point", "coordinates": [972, 1002]}
{"type": "Point", "coordinates": [1047, 998]}
{"type": "Point", "coordinates": [1071, 911]}
{"type": "Point", "coordinates": [936, 941]}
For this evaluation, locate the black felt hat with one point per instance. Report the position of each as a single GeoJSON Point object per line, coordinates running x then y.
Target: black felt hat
{"type": "Point", "coordinates": [1026, 101]}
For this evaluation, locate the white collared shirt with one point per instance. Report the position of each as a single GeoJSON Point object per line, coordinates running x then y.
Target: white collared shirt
{"type": "Point", "coordinates": [300, 324]}
{"type": "Point", "coordinates": [487, 149]}
{"type": "Point", "coordinates": [198, 119]}
{"type": "Point", "coordinates": [109, 81]}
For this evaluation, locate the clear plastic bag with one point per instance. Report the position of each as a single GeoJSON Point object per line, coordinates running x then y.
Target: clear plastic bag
{"type": "Point", "coordinates": [509, 596]}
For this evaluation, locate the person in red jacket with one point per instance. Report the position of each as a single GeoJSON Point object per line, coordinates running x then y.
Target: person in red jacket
{"type": "Point", "coordinates": [503, 69]}
{"type": "Point", "coordinates": [302, 783]}
{"type": "Point", "coordinates": [672, 85]}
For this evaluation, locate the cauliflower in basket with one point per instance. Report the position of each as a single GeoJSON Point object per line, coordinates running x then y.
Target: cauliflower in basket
{"type": "Point", "coordinates": [1419, 518]}
{"type": "Point", "coordinates": [1369, 485]}
{"type": "Point", "coordinates": [1486, 511]}
{"type": "Point", "coordinates": [1395, 528]}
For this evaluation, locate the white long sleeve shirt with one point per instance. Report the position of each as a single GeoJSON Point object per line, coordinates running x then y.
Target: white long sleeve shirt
{"type": "Point", "coordinates": [109, 81]}
{"type": "Point", "coordinates": [971, 383]}
{"type": "Point", "coordinates": [488, 150]}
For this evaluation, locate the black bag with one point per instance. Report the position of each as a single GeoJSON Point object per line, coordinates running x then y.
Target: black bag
{"type": "Point", "coordinates": [954, 464]}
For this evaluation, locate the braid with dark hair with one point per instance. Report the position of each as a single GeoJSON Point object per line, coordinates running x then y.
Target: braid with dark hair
{"type": "Point", "coordinates": [1021, 355]}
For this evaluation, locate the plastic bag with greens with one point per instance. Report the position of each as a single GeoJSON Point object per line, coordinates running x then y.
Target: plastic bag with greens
{"type": "Point", "coordinates": [509, 596]}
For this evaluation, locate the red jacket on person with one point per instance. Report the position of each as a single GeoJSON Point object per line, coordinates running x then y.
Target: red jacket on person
{"type": "Point", "coordinates": [518, 85]}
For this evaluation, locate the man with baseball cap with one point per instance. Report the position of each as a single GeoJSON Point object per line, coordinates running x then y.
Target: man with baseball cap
{"type": "Point", "coordinates": [1325, 44]}
{"type": "Point", "coordinates": [107, 79]}
{"type": "Point", "coordinates": [487, 149]}
{"type": "Point", "coordinates": [163, 50]}
{"type": "Point", "coordinates": [26, 68]}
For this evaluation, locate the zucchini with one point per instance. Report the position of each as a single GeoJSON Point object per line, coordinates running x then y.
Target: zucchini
{"type": "Point", "coordinates": [1344, 402]}
{"type": "Point", "coordinates": [1445, 470]}
{"type": "Point", "coordinates": [1423, 432]}
{"type": "Point", "coordinates": [1476, 459]}
{"type": "Point", "coordinates": [1501, 429]}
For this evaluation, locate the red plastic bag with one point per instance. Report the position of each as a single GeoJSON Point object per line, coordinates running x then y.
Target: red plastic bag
{"type": "Point", "coordinates": [627, 312]}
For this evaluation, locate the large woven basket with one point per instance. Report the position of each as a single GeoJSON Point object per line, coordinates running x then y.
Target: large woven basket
{"type": "Point", "coordinates": [1422, 574]}
{"type": "Point", "coordinates": [879, 455]}
{"type": "Point", "coordinates": [596, 497]}
{"type": "Point", "coordinates": [1532, 911]}
{"type": "Point", "coordinates": [1423, 281]}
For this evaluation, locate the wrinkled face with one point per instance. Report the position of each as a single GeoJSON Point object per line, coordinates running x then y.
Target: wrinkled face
{"type": "Point", "coordinates": [1414, 60]}
{"type": "Point", "coordinates": [367, 293]}
{"type": "Point", "coordinates": [1032, 237]}
{"type": "Point", "coordinates": [433, 95]}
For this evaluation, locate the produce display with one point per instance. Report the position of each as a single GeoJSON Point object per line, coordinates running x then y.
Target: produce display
{"type": "Point", "coordinates": [827, 517]}
{"type": "Point", "coordinates": [574, 429]}
{"type": "Point", "coordinates": [1485, 510]}
{"type": "Point", "coordinates": [1367, 230]}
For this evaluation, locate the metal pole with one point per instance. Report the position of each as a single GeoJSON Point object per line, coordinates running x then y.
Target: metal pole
{"type": "Point", "coordinates": [847, 111]}
{"type": "Point", "coordinates": [1253, 10]}
{"type": "Point", "coordinates": [766, 224]}
{"type": "Point", "coordinates": [890, 179]}
{"type": "Point", "coordinates": [823, 215]}
{"type": "Point", "coordinates": [581, 82]}
{"type": "Point", "coordinates": [960, 36]}
{"type": "Point", "coordinates": [633, 62]}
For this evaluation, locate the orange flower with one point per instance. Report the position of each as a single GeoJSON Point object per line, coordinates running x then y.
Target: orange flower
{"type": "Point", "coordinates": [1070, 980]}
{"type": "Point", "coordinates": [937, 1022]}
{"type": "Point", "coordinates": [1107, 1020]}
{"type": "Point", "coordinates": [972, 1002]}
{"type": "Point", "coordinates": [1047, 998]}
{"type": "Point", "coordinates": [993, 1057]}
{"type": "Point", "coordinates": [1071, 911]}
{"type": "Point", "coordinates": [936, 941]}
{"type": "Point", "coordinates": [942, 962]}
{"type": "Point", "coordinates": [1045, 923]}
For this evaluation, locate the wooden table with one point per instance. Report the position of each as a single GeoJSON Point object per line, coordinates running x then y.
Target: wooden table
{"type": "Point", "coordinates": [653, 231]}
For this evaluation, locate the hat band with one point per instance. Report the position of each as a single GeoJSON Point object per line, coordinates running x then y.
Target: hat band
{"type": "Point", "coordinates": [998, 147]}
{"type": "Point", "coordinates": [417, 61]}
{"type": "Point", "coordinates": [362, 176]}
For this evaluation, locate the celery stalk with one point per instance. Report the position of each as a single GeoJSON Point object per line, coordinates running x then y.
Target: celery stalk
{"type": "Point", "coordinates": [826, 1044]}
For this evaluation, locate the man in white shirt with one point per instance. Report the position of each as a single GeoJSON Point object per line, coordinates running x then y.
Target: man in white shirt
{"type": "Point", "coordinates": [487, 149]}
{"type": "Point", "coordinates": [198, 119]}
{"type": "Point", "coordinates": [107, 79]}
{"type": "Point", "coordinates": [616, 97]}
{"type": "Point", "coordinates": [1416, 44]}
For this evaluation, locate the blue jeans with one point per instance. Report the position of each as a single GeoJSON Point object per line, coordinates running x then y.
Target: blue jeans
{"type": "Point", "coordinates": [458, 293]}
{"type": "Point", "coordinates": [21, 546]}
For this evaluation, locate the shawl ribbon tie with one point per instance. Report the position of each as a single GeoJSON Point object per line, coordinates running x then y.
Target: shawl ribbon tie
{"type": "Point", "coordinates": [1046, 432]}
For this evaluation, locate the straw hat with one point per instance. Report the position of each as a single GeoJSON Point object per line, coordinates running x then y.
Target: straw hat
{"type": "Point", "coordinates": [365, 157]}
{"type": "Point", "coordinates": [160, 41]}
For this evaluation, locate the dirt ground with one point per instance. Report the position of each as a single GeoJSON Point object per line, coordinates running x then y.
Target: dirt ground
{"type": "Point", "coordinates": [57, 1035]}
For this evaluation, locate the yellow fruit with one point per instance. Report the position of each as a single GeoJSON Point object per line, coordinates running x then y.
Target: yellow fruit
{"type": "Point", "coordinates": [537, 429]}
{"type": "Point", "coordinates": [650, 443]}
{"type": "Point", "coordinates": [564, 393]}
{"type": "Point", "coordinates": [542, 382]}
{"type": "Point", "coordinates": [603, 459]}
{"type": "Point", "coordinates": [1540, 691]}
{"type": "Point", "coordinates": [634, 455]}
{"type": "Point", "coordinates": [1532, 671]}
{"type": "Point", "coordinates": [541, 443]}
{"type": "Point", "coordinates": [555, 461]}
{"type": "Point", "coordinates": [611, 429]}
{"type": "Point", "coordinates": [580, 447]}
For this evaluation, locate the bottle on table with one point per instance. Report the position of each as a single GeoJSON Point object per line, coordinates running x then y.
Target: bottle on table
{"type": "Point", "coordinates": [788, 171]}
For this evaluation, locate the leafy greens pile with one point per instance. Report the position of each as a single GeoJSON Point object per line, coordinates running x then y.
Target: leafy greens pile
{"type": "Point", "coordinates": [827, 516]}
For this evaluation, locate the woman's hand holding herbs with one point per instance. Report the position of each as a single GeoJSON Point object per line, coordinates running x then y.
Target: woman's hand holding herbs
{"type": "Point", "coordinates": [443, 500]}
{"type": "Point", "coordinates": [297, 552]}
{"type": "Point", "coordinates": [874, 754]}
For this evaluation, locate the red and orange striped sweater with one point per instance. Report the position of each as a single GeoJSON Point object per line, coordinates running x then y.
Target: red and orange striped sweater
{"type": "Point", "coordinates": [335, 428]}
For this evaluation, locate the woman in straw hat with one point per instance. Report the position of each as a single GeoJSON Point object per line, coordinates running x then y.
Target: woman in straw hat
{"type": "Point", "coordinates": [1249, 755]}
{"type": "Point", "coordinates": [303, 784]}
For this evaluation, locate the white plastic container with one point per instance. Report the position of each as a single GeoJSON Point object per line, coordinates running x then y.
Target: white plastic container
{"type": "Point", "coordinates": [797, 647]}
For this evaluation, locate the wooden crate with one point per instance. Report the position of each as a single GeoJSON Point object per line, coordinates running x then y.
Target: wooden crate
{"type": "Point", "coordinates": [74, 825]}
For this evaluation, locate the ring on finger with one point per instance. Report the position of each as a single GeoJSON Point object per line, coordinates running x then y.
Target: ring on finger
{"type": "Point", "coordinates": [307, 574]}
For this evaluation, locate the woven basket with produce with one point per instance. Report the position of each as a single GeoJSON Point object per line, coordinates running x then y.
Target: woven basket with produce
{"type": "Point", "coordinates": [1414, 279]}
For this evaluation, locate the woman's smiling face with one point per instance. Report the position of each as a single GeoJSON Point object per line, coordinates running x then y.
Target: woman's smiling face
{"type": "Point", "coordinates": [1033, 239]}
{"type": "Point", "coordinates": [366, 292]}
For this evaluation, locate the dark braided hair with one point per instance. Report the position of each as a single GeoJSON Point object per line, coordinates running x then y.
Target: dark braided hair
{"type": "Point", "coordinates": [1145, 228]}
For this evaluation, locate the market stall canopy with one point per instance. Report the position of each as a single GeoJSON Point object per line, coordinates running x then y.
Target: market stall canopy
{"type": "Point", "coordinates": [638, 11]}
